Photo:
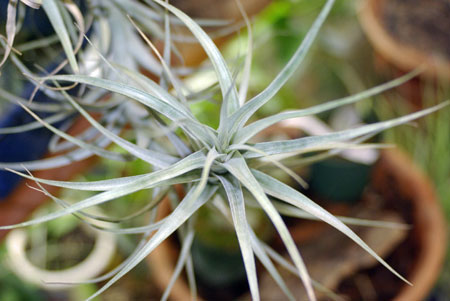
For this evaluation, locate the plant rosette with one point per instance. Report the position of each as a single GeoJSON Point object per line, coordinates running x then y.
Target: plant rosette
{"type": "Point", "coordinates": [218, 167]}
{"type": "Point", "coordinates": [424, 244]}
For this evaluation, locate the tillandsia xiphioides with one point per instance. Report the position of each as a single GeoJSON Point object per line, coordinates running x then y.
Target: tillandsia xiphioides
{"type": "Point", "coordinates": [219, 167]}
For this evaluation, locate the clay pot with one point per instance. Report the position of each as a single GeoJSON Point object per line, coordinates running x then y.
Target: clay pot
{"type": "Point", "coordinates": [429, 225]}
{"type": "Point", "coordinates": [387, 23]}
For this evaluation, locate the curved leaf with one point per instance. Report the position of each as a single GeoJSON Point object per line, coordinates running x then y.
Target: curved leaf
{"type": "Point", "coordinates": [241, 116]}
{"type": "Point", "coordinates": [294, 145]}
{"type": "Point", "coordinates": [54, 15]}
{"type": "Point", "coordinates": [291, 196]}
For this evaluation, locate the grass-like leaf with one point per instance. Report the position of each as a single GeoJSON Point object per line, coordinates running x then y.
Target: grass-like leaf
{"type": "Point", "coordinates": [32, 3]}
{"type": "Point", "coordinates": [238, 168]}
{"type": "Point", "coordinates": [158, 159]}
{"type": "Point", "coordinates": [34, 125]}
{"type": "Point", "coordinates": [289, 210]}
{"type": "Point", "coordinates": [103, 185]}
{"type": "Point", "coordinates": [287, 146]}
{"type": "Point", "coordinates": [249, 131]}
{"type": "Point", "coordinates": [57, 161]}
{"type": "Point", "coordinates": [170, 110]}
{"type": "Point", "coordinates": [229, 93]}
{"type": "Point", "coordinates": [54, 15]}
{"type": "Point", "coordinates": [182, 258]}
{"type": "Point", "coordinates": [10, 29]}
{"type": "Point", "coordinates": [240, 117]}
{"type": "Point", "coordinates": [188, 206]}
{"type": "Point", "coordinates": [185, 165]}
{"type": "Point", "coordinates": [261, 253]}
{"type": "Point", "coordinates": [284, 192]}
{"type": "Point", "coordinates": [94, 149]}
{"type": "Point", "coordinates": [236, 199]}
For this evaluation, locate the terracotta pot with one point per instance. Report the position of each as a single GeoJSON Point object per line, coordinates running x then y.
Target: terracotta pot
{"type": "Point", "coordinates": [394, 173]}
{"type": "Point", "coordinates": [402, 55]}
{"type": "Point", "coordinates": [429, 226]}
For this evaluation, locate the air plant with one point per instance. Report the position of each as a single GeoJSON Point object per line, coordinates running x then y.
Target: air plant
{"type": "Point", "coordinates": [220, 167]}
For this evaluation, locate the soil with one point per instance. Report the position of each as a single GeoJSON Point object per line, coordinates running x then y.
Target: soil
{"type": "Point", "coordinates": [73, 248]}
{"type": "Point", "coordinates": [422, 24]}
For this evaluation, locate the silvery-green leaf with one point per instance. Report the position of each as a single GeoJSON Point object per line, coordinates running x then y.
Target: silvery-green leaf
{"type": "Point", "coordinates": [229, 93]}
{"type": "Point", "coordinates": [182, 258]}
{"type": "Point", "coordinates": [147, 84]}
{"type": "Point", "coordinates": [191, 277]}
{"type": "Point", "coordinates": [56, 19]}
{"type": "Point", "coordinates": [109, 219]}
{"type": "Point", "coordinates": [249, 131]}
{"type": "Point", "coordinates": [272, 160]}
{"type": "Point", "coordinates": [238, 168]}
{"type": "Point", "coordinates": [294, 145]}
{"type": "Point", "coordinates": [289, 210]}
{"type": "Point", "coordinates": [167, 50]}
{"type": "Point", "coordinates": [241, 116]}
{"type": "Point", "coordinates": [174, 113]}
{"type": "Point", "coordinates": [82, 216]}
{"type": "Point", "coordinates": [35, 106]}
{"type": "Point", "coordinates": [158, 159]}
{"type": "Point", "coordinates": [183, 166]}
{"type": "Point", "coordinates": [248, 58]}
{"type": "Point", "coordinates": [167, 71]}
{"type": "Point", "coordinates": [57, 161]}
{"type": "Point", "coordinates": [291, 196]}
{"type": "Point", "coordinates": [188, 206]}
{"type": "Point", "coordinates": [94, 149]}
{"type": "Point", "coordinates": [222, 71]}
{"type": "Point", "coordinates": [261, 253]}
{"type": "Point", "coordinates": [55, 145]}
{"type": "Point", "coordinates": [103, 185]}
{"type": "Point", "coordinates": [68, 22]}
{"type": "Point", "coordinates": [131, 230]}
{"type": "Point", "coordinates": [235, 197]}
{"type": "Point", "coordinates": [37, 43]}
{"type": "Point", "coordinates": [33, 125]}
{"type": "Point", "coordinates": [36, 4]}
{"type": "Point", "coordinates": [291, 268]}
{"type": "Point", "coordinates": [257, 248]}
{"type": "Point", "coordinates": [10, 29]}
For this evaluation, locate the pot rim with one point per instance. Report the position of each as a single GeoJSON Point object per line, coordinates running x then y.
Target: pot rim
{"type": "Point", "coordinates": [401, 55]}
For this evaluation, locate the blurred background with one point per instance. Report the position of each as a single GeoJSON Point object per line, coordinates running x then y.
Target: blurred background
{"type": "Point", "coordinates": [348, 57]}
